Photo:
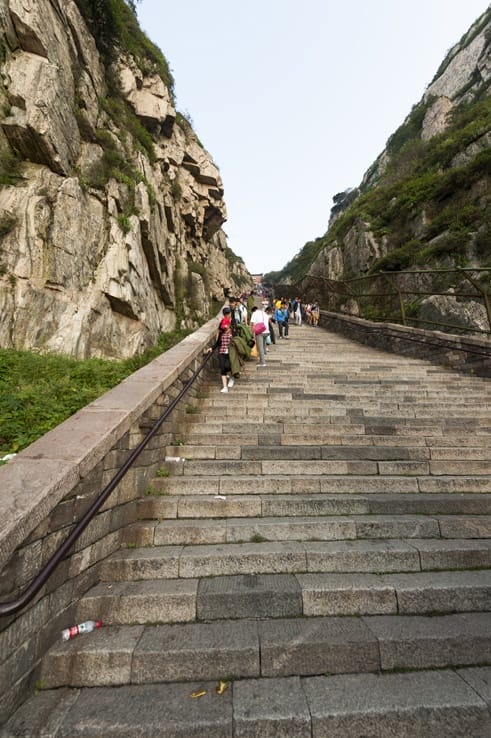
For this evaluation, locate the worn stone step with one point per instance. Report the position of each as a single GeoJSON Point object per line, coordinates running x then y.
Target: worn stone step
{"type": "Point", "coordinates": [458, 441]}
{"type": "Point", "coordinates": [219, 506]}
{"type": "Point", "coordinates": [450, 441]}
{"type": "Point", "coordinates": [412, 415]}
{"type": "Point", "coordinates": [291, 422]}
{"type": "Point", "coordinates": [429, 425]}
{"type": "Point", "coordinates": [118, 655]}
{"type": "Point", "coordinates": [190, 531]}
{"type": "Point", "coordinates": [416, 705]}
{"type": "Point", "coordinates": [443, 704]}
{"type": "Point", "coordinates": [331, 439]}
{"type": "Point", "coordinates": [384, 431]}
{"type": "Point", "coordinates": [460, 467]}
{"type": "Point", "coordinates": [433, 398]}
{"type": "Point", "coordinates": [313, 484]}
{"type": "Point", "coordinates": [346, 453]}
{"type": "Point", "coordinates": [467, 453]}
{"type": "Point", "coordinates": [332, 515]}
{"type": "Point", "coordinates": [248, 426]}
{"type": "Point", "coordinates": [389, 504]}
{"type": "Point", "coordinates": [199, 506]}
{"type": "Point", "coordinates": [294, 468]}
{"type": "Point", "coordinates": [192, 439]}
{"type": "Point", "coordinates": [286, 595]}
{"type": "Point", "coordinates": [409, 594]}
{"type": "Point", "coordinates": [272, 557]}
{"type": "Point", "coordinates": [422, 388]}
{"type": "Point", "coordinates": [140, 602]}
{"type": "Point", "coordinates": [235, 530]}
{"type": "Point", "coordinates": [450, 484]}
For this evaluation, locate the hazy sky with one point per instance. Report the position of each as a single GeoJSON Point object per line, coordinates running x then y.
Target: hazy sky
{"type": "Point", "coordinates": [294, 100]}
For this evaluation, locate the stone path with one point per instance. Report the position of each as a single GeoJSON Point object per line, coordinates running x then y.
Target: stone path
{"type": "Point", "coordinates": [325, 549]}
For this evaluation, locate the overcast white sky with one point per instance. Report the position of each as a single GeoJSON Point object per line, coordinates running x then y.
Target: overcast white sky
{"type": "Point", "coordinates": [294, 100]}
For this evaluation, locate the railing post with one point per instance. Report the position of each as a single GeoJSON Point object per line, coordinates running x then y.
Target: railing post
{"type": "Point", "coordinates": [342, 289]}
{"type": "Point", "coordinates": [401, 301]}
{"type": "Point", "coordinates": [484, 293]}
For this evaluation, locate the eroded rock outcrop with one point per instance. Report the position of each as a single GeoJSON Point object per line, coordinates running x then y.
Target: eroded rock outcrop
{"type": "Point", "coordinates": [111, 211]}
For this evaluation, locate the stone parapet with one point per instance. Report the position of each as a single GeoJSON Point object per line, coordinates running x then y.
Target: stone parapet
{"type": "Point", "coordinates": [50, 484]}
{"type": "Point", "coordinates": [468, 354]}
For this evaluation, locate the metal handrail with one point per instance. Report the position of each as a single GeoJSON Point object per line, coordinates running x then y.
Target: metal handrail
{"type": "Point", "coordinates": [344, 288]}
{"type": "Point", "coordinates": [13, 606]}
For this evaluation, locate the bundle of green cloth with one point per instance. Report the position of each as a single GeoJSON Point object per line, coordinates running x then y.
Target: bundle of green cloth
{"type": "Point", "coordinates": [239, 349]}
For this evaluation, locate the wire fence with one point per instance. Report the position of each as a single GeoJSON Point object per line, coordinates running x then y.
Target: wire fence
{"type": "Point", "coordinates": [454, 300]}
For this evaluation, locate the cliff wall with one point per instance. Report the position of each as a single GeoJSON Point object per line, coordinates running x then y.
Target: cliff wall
{"type": "Point", "coordinates": [111, 210]}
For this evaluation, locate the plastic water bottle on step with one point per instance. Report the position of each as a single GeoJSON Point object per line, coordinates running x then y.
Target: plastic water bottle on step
{"type": "Point", "coordinates": [86, 627]}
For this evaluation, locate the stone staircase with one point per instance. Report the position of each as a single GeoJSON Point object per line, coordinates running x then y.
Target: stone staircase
{"type": "Point", "coordinates": [324, 549]}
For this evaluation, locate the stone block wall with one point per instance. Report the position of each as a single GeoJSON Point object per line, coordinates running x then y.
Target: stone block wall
{"type": "Point", "coordinates": [463, 353]}
{"type": "Point", "coordinates": [50, 484]}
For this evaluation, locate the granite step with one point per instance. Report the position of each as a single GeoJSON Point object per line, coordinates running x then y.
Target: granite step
{"type": "Point", "coordinates": [408, 423]}
{"type": "Point", "coordinates": [444, 704]}
{"type": "Point", "coordinates": [337, 404]}
{"type": "Point", "coordinates": [190, 531]}
{"type": "Point", "coordinates": [312, 484]}
{"type": "Point", "coordinates": [276, 389]}
{"type": "Point", "coordinates": [459, 443]}
{"type": "Point", "coordinates": [320, 427]}
{"type": "Point", "coordinates": [324, 467]}
{"type": "Point", "coordinates": [153, 561]}
{"type": "Point", "coordinates": [231, 467]}
{"type": "Point", "coordinates": [286, 595]}
{"type": "Point", "coordinates": [117, 655]}
{"type": "Point", "coordinates": [219, 506]}
{"type": "Point", "coordinates": [332, 451]}
{"type": "Point", "coordinates": [312, 452]}
{"type": "Point", "coordinates": [323, 545]}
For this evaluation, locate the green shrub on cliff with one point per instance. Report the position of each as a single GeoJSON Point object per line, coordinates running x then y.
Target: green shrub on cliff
{"type": "Point", "coordinates": [9, 165]}
{"type": "Point", "coordinates": [114, 25]}
{"type": "Point", "coordinates": [299, 265]}
{"type": "Point", "coordinates": [443, 180]}
{"type": "Point", "coordinates": [410, 129]}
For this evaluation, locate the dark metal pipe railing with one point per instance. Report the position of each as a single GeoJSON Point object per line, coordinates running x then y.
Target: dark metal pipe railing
{"type": "Point", "coordinates": [352, 288]}
{"type": "Point", "coordinates": [13, 606]}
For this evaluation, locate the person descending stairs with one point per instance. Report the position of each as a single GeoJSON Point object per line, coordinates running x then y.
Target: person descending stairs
{"type": "Point", "coordinates": [316, 563]}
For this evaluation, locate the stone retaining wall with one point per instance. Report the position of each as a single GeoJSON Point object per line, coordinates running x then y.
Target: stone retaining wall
{"type": "Point", "coordinates": [464, 353]}
{"type": "Point", "coordinates": [50, 484]}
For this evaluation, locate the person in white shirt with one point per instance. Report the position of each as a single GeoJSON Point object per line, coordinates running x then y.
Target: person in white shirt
{"type": "Point", "coordinates": [298, 313]}
{"type": "Point", "coordinates": [259, 317]}
{"type": "Point", "coordinates": [243, 309]}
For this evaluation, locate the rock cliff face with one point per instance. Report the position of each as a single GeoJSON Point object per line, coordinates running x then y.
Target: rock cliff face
{"type": "Point", "coordinates": [425, 202]}
{"type": "Point", "coordinates": [110, 207]}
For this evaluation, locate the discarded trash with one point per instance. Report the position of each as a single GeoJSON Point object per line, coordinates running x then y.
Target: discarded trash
{"type": "Point", "coordinates": [86, 627]}
{"type": "Point", "coordinates": [7, 457]}
{"type": "Point", "coordinates": [222, 687]}
{"type": "Point", "coordinates": [220, 497]}
{"type": "Point", "coordinates": [173, 458]}
{"type": "Point", "coordinates": [200, 693]}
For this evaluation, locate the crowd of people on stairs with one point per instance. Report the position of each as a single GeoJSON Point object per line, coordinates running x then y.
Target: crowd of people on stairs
{"type": "Point", "coordinates": [246, 330]}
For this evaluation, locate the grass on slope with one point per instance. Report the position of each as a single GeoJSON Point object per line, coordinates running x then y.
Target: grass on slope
{"type": "Point", "coordinates": [37, 392]}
